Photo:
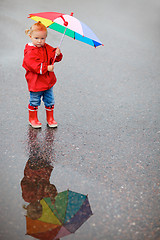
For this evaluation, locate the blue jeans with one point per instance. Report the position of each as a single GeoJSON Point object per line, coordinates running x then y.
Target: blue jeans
{"type": "Point", "coordinates": [47, 97]}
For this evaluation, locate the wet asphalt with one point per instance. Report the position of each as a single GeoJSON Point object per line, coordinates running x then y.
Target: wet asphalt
{"type": "Point", "coordinates": [108, 110]}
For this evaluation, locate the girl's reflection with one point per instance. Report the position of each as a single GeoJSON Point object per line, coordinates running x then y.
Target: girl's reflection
{"type": "Point", "coordinates": [35, 184]}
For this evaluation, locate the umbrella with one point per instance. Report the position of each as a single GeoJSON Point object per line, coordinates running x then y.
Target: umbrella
{"type": "Point", "coordinates": [68, 25]}
{"type": "Point", "coordinates": [69, 211]}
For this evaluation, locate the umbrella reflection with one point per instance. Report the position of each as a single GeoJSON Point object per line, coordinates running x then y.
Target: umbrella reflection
{"type": "Point", "coordinates": [61, 218]}
{"type": "Point", "coordinates": [49, 215]}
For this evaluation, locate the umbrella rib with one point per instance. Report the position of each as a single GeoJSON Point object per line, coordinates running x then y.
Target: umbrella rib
{"type": "Point", "coordinates": [80, 206]}
{"type": "Point", "coordinates": [59, 218]}
{"type": "Point", "coordinates": [67, 202]}
{"type": "Point", "coordinates": [56, 212]}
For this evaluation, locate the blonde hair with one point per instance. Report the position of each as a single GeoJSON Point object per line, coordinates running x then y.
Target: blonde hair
{"type": "Point", "coordinates": [36, 27]}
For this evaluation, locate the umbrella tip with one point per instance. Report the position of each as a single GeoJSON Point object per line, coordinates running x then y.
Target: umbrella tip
{"type": "Point", "coordinates": [71, 14]}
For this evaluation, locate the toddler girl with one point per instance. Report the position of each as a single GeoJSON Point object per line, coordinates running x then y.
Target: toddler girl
{"type": "Point", "coordinates": [38, 63]}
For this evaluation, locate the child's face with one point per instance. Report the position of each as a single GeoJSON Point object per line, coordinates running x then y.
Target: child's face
{"type": "Point", "coordinates": [38, 38]}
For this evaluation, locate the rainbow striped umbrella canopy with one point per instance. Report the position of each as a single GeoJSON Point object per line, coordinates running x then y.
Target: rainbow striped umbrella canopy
{"type": "Point", "coordinates": [68, 25]}
{"type": "Point", "coordinates": [61, 218]}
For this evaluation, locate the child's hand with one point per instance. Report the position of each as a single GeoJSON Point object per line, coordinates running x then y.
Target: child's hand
{"type": "Point", "coordinates": [50, 68]}
{"type": "Point", "coordinates": [58, 51]}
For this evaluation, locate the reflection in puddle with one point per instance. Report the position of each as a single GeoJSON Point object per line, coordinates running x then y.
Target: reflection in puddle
{"type": "Point", "coordinates": [60, 218]}
{"type": "Point", "coordinates": [49, 214]}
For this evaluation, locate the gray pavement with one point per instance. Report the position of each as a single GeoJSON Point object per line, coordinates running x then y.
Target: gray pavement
{"type": "Point", "coordinates": [107, 107]}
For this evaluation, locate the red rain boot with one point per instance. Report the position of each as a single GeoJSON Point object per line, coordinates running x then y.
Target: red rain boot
{"type": "Point", "coordinates": [49, 116]}
{"type": "Point", "coordinates": [33, 119]}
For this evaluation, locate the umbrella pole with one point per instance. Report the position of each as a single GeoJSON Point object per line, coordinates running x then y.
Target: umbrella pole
{"type": "Point", "coordinates": [62, 37]}
{"type": "Point", "coordinates": [60, 44]}
{"type": "Point", "coordinates": [65, 24]}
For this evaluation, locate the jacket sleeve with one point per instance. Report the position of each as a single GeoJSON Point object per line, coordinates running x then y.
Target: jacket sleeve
{"type": "Point", "coordinates": [33, 63]}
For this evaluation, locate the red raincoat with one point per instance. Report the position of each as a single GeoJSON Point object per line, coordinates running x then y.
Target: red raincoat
{"type": "Point", "coordinates": [36, 60]}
